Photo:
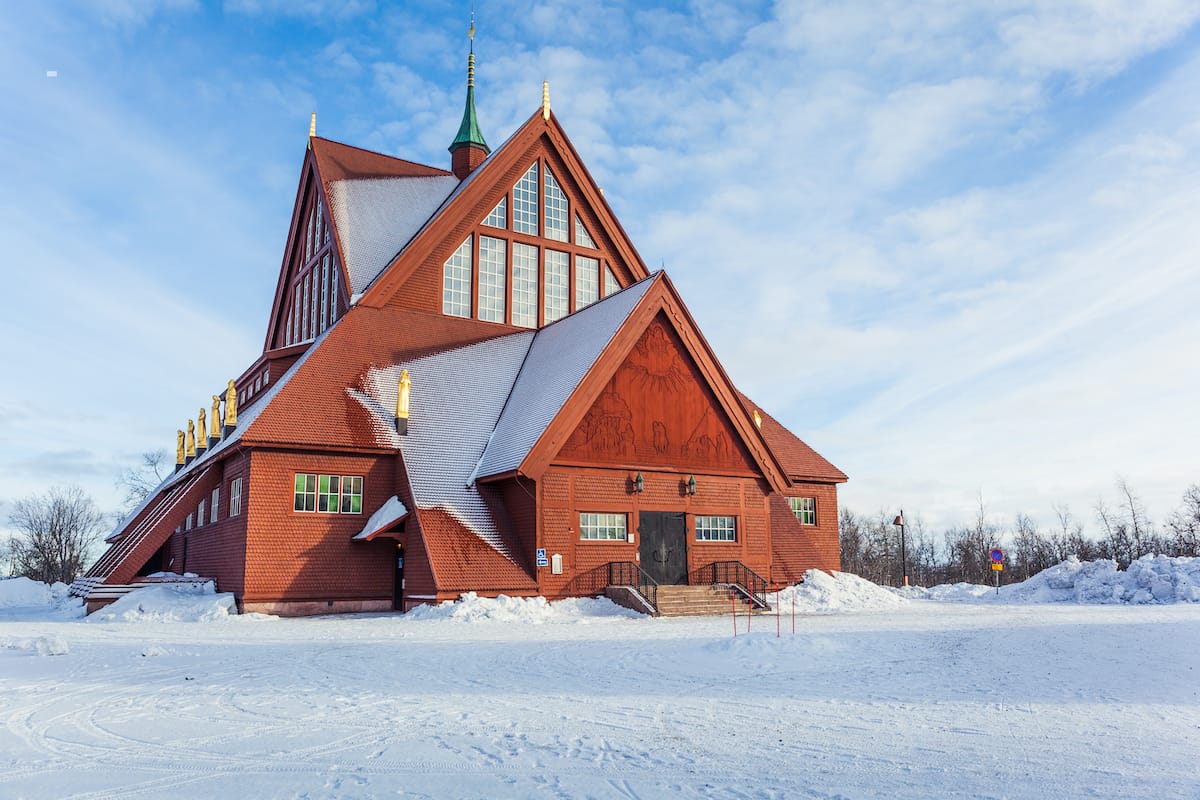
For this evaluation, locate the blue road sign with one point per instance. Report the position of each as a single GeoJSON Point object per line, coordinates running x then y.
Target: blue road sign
{"type": "Point", "coordinates": [997, 555]}
{"type": "Point", "coordinates": [542, 561]}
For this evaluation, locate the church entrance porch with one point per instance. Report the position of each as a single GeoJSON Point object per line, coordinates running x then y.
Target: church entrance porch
{"type": "Point", "coordinates": [662, 546]}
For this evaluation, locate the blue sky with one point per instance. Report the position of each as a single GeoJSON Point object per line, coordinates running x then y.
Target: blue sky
{"type": "Point", "coordinates": [953, 247]}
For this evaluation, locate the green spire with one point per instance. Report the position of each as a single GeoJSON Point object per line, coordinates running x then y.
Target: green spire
{"type": "Point", "coordinates": [469, 134]}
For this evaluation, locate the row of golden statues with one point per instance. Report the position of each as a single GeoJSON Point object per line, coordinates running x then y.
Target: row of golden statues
{"type": "Point", "coordinates": [204, 431]}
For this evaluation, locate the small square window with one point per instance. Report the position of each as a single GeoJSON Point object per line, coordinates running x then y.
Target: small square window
{"type": "Point", "coordinates": [805, 509]}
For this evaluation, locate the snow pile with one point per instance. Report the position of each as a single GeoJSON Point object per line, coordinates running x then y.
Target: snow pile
{"type": "Point", "coordinates": [1150, 579]}
{"type": "Point", "coordinates": [22, 597]}
{"type": "Point", "coordinates": [948, 592]}
{"type": "Point", "coordinates": [16, 592]}
{"type": "Point", "coordinates": [838, 591]}
{"type": "Point", "coordinates": [530, 610]}
{"type": "Point", "coordinates": [48, 645]}
{"type": "Point", "coordinates": [169, 603]}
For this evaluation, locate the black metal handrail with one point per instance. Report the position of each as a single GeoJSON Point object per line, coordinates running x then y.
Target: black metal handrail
{"type": "Point", "coordinates": [627, 573]}
{"type": "Point", "coordinates": [737, 575]}
{"type": "Point", "coordinates": [618, 573]}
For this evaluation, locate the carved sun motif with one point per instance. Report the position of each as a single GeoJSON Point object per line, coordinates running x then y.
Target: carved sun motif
{"type": "Point", "coordinates": [655, 364]}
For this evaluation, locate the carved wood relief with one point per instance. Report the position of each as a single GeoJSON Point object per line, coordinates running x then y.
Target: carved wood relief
{"type": "Point", "coordinates": [657, 410]}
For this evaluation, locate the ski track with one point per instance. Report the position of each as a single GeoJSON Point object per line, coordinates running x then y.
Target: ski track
{"type": "Point", "coordinates": [916, 702]}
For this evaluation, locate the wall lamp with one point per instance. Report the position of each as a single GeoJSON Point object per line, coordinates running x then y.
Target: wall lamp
{"type": "Point", "coordinates": [691, 484]}
{"type": "Point", "coordinates": [639, 484]}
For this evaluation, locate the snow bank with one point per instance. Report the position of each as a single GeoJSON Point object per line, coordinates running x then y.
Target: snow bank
{"type": "Point", "coordinates": [839, 591]}
{"type": "Point", "coordinates": [49, 645]}
{"type": "Point", "coordinates": [21, 592]}
{"type": "Point", "coordinates": [531, 610]}
{"type": "Point", "coordinates": [22, 598]}
{"type": "Point", "coordinates": [1155, 580]}
{"type": "Point", "coordinates": [169, 603]}
{"type": "Point", "coordinates": [1150, 579]}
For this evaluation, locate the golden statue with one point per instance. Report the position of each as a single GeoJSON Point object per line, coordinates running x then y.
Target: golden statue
{"type": "Point", "coordinates": [231, 406]}
{"type": "Point", "coordinates": [214, 421]}
{"type": "Point", "coordinates": [190, 450]}
{"type": "Point", "coordinates": [201, 431]}
{"type": "Point", "coordinates": [179, 457]}
{"type": "Point", "coordinates": [403, 395]}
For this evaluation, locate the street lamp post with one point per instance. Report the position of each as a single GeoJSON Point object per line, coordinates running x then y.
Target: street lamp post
{"type": "Point", "coordinates": [899, 522]}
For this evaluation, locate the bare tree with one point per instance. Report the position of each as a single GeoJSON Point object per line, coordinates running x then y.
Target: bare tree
{"type": "Point", "coordinates": [1184, 524]}
{"type": "Point", "coordinates": [138, 482]}
{"type": "Point", "coordinates": [58, 529]}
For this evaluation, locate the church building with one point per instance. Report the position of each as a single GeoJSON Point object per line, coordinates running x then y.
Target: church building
{"type": "Point", "coordinates": [471, 382]}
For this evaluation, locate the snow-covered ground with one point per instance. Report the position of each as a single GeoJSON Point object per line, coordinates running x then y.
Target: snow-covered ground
{"type": "Point", "coordinates": [874, 695]}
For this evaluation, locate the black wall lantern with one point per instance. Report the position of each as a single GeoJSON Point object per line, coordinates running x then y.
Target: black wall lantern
{"type": "Point", "coordinates": [691, 484]}
{"type": "Point", "coordinates": [639, 484]}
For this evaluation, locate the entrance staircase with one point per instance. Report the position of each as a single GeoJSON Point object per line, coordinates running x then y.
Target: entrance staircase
{"type": "Point", "coordinates": [697, 601]}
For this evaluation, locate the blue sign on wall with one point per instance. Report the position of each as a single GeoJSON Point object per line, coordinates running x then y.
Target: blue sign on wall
{"type": "Point", "coordinates": [541, 557]}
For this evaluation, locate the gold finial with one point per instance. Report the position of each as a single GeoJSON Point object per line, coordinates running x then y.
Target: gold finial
{"type": "Point", "coordinates": [214, 420]}
{"type": "Point", "coordinates": [312, 125]}
{"type": "Point", "coordinates": [190, 449]}
{"type": "Point", "coordinates": [545, 99]}
{"type": "Point", "coordinates": [179, 455]}
{"type": "Point", "coordinates": [231, 406]}
{"type": "Point", "coordinates": [201, 430]}
{"type": "Point", "coordinates": [757, 419]}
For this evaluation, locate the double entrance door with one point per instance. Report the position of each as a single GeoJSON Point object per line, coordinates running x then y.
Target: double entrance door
{"type": "Point", "coordinates": [662, 546]}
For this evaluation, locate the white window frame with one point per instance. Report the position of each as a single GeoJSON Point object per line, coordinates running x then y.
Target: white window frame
{"type": "Point", "coordinates": [716, 528]}
{"type": "Point", "coordinates": [603, 526]}
{"type": "Point", "coordinates": [235, 497]}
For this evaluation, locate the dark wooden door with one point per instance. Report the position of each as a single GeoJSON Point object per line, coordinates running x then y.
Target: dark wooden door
{"type": "Point", "coordinates": [663, 546]}
{"type": "Point", "coordinates": [398, 592]}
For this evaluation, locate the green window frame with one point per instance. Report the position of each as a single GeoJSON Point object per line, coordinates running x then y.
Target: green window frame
{"type": "Point", "coordinates": [805, 509]}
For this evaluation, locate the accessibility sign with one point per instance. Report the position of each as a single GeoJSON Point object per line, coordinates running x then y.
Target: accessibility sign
{"type": "Point", "coordinates": [542, 561]}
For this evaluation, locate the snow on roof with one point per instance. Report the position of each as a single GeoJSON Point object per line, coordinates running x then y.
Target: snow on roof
{"type": "Point", "coordinates": [457, 397]}
{"type": "Point", "coordinates": [561, 355]}
{"type": "Point", "coordinates": [391, 512]}
{"type": "Point", "coordinates": [377, 217]}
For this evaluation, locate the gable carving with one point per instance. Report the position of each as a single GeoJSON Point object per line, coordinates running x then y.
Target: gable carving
{"type": "Point", "coordinates": [657, 410]}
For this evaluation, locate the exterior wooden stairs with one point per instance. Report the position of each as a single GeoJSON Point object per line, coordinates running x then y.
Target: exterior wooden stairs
{"type": "Point", "coordinates": [699, 601]}
{"type": "Point", "coordinates": [715, 589]}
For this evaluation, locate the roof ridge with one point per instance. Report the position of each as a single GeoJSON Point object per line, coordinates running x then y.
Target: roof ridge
{"type": "Point", "coordinates": [384, 155]}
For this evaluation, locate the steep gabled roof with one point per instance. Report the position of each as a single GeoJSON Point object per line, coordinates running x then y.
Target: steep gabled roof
{"type": "Point", "coordinates": [799, 461]}
{"type": "Point", "coordinates": [339, 162]}
{"type": "Point", "coordinates": [376, 217]}
{"type": "Point", "coordinates": [660, 296]}
{"type": "Point", "coordinates": [472, 199]}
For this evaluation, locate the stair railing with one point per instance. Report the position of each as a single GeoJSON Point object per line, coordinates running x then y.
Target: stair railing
{"type": "Point", "coordinates": [627, 573]}
{"type": "Point", "coordinates": [738, 577]}
{"type": "Point", "coordinates": [618, 573]}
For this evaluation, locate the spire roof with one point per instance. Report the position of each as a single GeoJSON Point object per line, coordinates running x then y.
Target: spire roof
{"type": "Point", "coordinates": [469, 134]}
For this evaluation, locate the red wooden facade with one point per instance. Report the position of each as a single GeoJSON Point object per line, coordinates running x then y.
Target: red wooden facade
{"type": "Point", "coordinates": [652, 429]}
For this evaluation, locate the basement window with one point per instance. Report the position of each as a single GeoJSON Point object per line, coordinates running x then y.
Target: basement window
{"type": "Point", "coordinates": [716, 529]}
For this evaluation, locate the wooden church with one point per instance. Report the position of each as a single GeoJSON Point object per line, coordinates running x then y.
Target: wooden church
{"type": "Point", "coordinates": [471, 382]}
